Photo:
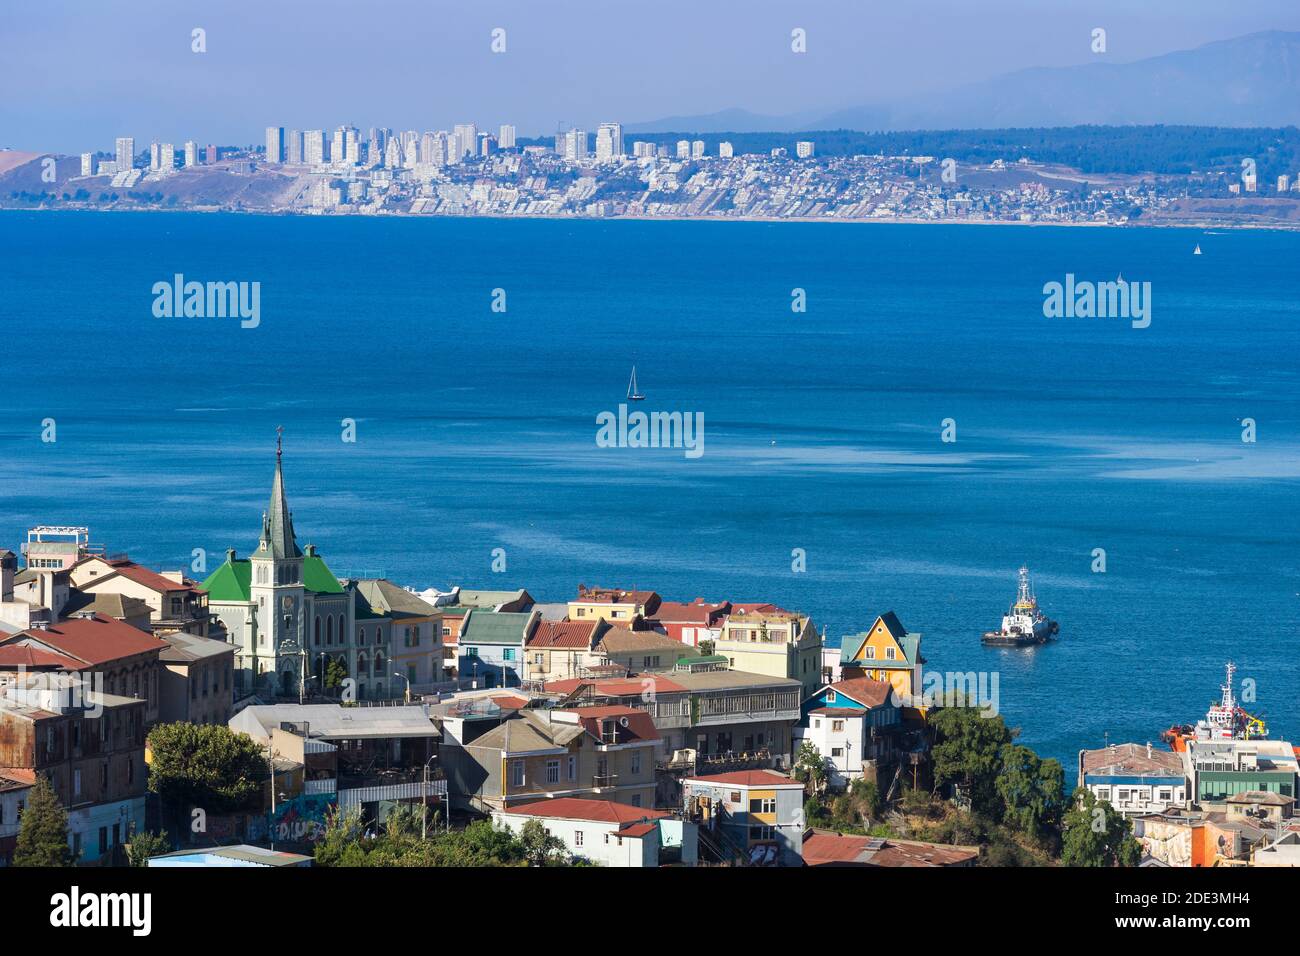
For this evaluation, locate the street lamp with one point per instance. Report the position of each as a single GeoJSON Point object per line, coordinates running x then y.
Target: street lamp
{"type": "Point", "coordinates": [408, 685]}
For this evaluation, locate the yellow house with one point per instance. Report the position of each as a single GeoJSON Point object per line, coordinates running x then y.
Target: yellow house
{"type": "Point", "coordinates": [885, 652]}
{"type": "Point", "coordinates": [612, 604]}
{"type": "Point", "coordinates": [774, 643]}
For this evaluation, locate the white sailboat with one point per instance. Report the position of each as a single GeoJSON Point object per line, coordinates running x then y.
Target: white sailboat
{"type": "Point", "coordinates": [1197, 250]}
{"type": "Point", "coordinates": [633, 393]}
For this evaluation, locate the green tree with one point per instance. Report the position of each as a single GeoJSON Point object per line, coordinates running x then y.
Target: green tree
{"type": "Point", "coordinates": [1096, 834]}
{"type": "Point", "coordinates": [810, 768]}
{"type": "Point", "coordinates": [43, 832]}
{"type": "Point", "coordinates": [1032, 790]}
{"type": "Point", "coordinates": [335, 674]}
{"type": "Point", "coordinates": [540, 848]}
{"type": "Point", "coordinates": [345, 844]}
{"type": "Point", "coordinates": [206, 765]}
{"type": "Point", "coordinates": [968, 752]}
{"type": "Point", "coordinates": [144, 844]}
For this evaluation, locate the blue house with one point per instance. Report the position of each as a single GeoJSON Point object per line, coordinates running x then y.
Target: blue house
{"type": "Point", "coordinates": [492, 646]}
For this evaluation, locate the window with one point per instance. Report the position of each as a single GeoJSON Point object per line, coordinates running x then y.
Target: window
{"type": "Point", "coordinates": [837, 726]}
{"type": "Point", "coordinates": [735, 796]}
{"type": "Point", "coordinates": [103, 840]}
{"type": "Point", "coordinates": [891, 653]}
{"type": "Point", "coordinates": [76, 783]}
{"type": "Point", "coordinates": [516, 773]}
{"type": "Point", "coordinates": [837, 751]}
{"type": "Point", "coordinates": [830, 697]}
{"type": "Point", "coordinates": [577, 838]}
{"type": "Point", "coordinates": [552, 771]}
{"type": "Point", "coordinates": [636, 799]}
{"type": "Point", "coordinates": [508, 654]}
{"type": "Point", "coordinates": [636, 761]}
{"type": "Point", "coordinates": [573, 767]}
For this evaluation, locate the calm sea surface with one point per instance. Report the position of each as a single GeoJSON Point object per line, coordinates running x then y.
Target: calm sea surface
{"type": "Point", "coordinates": [476, 429]}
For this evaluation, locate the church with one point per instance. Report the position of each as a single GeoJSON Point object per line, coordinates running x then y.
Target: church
{"type": "Point", "coordinates": [290, 617]}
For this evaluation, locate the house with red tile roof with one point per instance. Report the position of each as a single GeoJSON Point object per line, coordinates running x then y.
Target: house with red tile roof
{"type": "Point", "coordinates": [175, 602]}
{"type": "Point", "coordinates": [690, 623]}
{"type": "Point", "coordinates": [609, 833]}
{"type": "Point", "coordinates": [124, 657]}
{"type": "Point", "coordinates": [563, 649]}
{"type": "Point", "coordinates": [857, 726]}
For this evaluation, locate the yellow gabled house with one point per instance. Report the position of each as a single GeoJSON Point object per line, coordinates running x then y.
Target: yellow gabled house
{"type": "Point", "coordinates": [885, 652]}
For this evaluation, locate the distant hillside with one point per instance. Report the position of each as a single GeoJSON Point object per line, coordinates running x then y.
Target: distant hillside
{"type": "Point", "coordinates": [1248, 81]}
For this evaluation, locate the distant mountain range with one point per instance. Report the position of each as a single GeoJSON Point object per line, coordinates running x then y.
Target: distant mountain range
{"type": "Point", "coordinates": [1252, 80]}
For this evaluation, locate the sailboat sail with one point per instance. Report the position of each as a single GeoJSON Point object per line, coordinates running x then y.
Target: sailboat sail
{"type": "Point", "coordinates": [633, 394]}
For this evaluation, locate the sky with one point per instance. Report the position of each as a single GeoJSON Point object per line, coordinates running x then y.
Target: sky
{"type": "Point", "coordinates": [74, 74]}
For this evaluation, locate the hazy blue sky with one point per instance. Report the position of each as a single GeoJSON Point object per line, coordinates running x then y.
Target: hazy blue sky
{"type": "Point", "coordinates": [74, 73]}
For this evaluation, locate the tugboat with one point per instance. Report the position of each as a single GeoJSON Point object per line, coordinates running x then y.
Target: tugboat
{"type": "Point", "coordinates": [1223, 721]}
{"type": "Point", "coordinates": [1024, 624]}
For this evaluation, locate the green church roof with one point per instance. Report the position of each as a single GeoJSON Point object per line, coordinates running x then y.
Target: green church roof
{"type": "Point", "coordinates": [231, 581]}
{"type": "Point", "coordinates": [319, 578]}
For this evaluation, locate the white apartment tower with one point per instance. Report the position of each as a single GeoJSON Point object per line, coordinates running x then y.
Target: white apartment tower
{"type": "Point", "coordinates": [609, 142]}
{"type": "Point", "coordinates": [192, 153]}
{"type": "Point", "coordinates": [575, 145]}
{"type": "Point", "coordinates": [725, 151]}
{"type": "Point", "coordinates": [313, 147]}
{"type": "Point", "coordinates": [506, 137]}
{"type": "Point", "coordinates": [275, 144]}
{"type": "Point", "coordinates": [87, 164]}
{"type": "Point", "coordinates": [125, 152]}
{"type": "Point", "coordinates": [466, 140]}
{"type": "Point", "coordinates": [803, 149]}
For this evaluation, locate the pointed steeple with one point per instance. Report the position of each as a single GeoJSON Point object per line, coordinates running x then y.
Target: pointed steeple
{"type": "Point", "coordinates": [277, 524]}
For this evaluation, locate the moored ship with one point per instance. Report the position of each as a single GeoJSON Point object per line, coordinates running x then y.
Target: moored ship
{"type": "Point", "coordinates": [1225, 720]}
{"type": "Point", "coordinates": [1024, 625]}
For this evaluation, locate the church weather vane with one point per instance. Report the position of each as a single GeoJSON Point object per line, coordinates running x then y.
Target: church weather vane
{"type": "Point", "coordinates": [279, 438]}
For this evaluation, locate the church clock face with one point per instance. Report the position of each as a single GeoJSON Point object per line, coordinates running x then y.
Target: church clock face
{"type": "Point", "coordinates": [287, 603]}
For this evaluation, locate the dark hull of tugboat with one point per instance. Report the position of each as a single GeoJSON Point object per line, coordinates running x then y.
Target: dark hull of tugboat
{"type": "Point", "coordinates": [998, 639]}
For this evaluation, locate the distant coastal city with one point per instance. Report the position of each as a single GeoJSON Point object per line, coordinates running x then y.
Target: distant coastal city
{"type": "Point", "coordinates": [468, 171]}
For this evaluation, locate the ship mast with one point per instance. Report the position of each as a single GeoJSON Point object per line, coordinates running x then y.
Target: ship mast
{"type": "Point", "coordinates": [1024, 594]}
{"type": "Point", "coordinates": [1229, 704]}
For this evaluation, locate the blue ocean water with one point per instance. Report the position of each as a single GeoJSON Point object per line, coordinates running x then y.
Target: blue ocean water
{"type": "Point", "coordinates": [476, 429]}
